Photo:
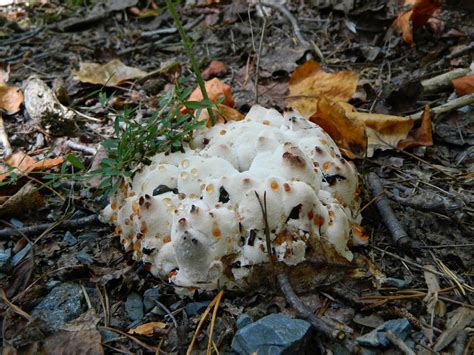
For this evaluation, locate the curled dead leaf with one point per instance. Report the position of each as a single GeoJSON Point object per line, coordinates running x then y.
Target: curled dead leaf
{"type": "Point", "coordinates": [112, 73]}
{"type": "Point", "coordinates": [148, 328]}
{"type": "Point", "coordinates": [223, 113]}
{"type": "Point", "coordinates": [11, 99]}
{"type": "Point", "coordinates": [309, 82]}
{"type": "Point", "coordinates": [464, 85]}
{"type": "Point", "coordinates": [421, 136]}
{"type": "Point", "coordinates": [215, 89]}
{"type": "Point", "coordinates": [215, 69]}
{"type": "Point", "coordinates": [348, 134]}
{"type": "Point", "coordinates": [27, 198]}
{"type": "Point", "coordinates": [23, 164]}
{"type": "Point", "coordinates": [418, 15]}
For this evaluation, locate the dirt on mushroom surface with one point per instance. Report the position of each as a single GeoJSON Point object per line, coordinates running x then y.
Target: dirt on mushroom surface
{"type": "Point", "coordinates": [100, 59]}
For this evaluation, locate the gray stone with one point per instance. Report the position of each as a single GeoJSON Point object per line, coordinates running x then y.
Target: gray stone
{"type": "Point", "coordinates": [61, 305]}
{"type": "Point", "coordinates": [377, 337]}
{"type": "Point", "coordinates": [5, 259]}
{"type": "Point", "coordinates": [273, 334]}
{"type": "Point", "coordinates": [70, 239]}
{"type": "Point", "coordinates": [88, 238]}
{"type": "Point", "coordinates": [134, 306]}
{"type": "Point", "coordinates": [194, 308]}
{"type": "Point", "coordinates": [84, 257]}
{"type": "Point", "coordinates": [243, 320]}
{"type": "Point", "coordinates": [150, 297]}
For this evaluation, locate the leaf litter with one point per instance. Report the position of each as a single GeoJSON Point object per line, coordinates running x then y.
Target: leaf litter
{"type": "Point", "coordinates": [350, 88]}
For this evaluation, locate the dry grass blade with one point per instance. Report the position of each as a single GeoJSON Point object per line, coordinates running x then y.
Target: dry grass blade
{"type": "Point", "coordinates": [14, 307]}
{"type": "Point", "coordinates": [213, 321]}
{"type": "Point", "coordinates": [138, 341]}
{"type": "Point", "coordinates": [203, 318]}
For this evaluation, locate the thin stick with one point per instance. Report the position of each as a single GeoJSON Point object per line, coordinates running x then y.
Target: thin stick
{"type": "Point", "coordinates": [399, 343]}
{"type": "Point", "coordinates": [399, 237]}
{"type": "Point", "coordinates": [81, 148]}
{"type": "Point", "coordinates": [138, 341]}
{"type": "Point", "coordinates": [39, 228]}
{"type": "Point", "coordinates": [14, 307]}
{"type": "Point", "coordinates": [291, 19]}
{"type": "Point", "coordinates": [263, 208]}
{"type": "Point", "coordinates": [447, 107]}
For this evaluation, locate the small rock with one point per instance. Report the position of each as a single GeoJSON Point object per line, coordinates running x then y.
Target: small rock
{"type": "Point", "coordinates": [16, 223]}
{"type": "Point", "coordinates": [134, 306]}
{"type": "Point", "coordinates": [273, 334]}
{"type": "Point", "coordinates": [5, 259]}
{"type": "Point", "coordinates": [88, 238]}
{"type": "Point", "coordinates": [84, 257]}
{"type": "Point", "coordinates": [398, 283]}
{"type": "Point", "coordinates": [377, 337]}
{"type": "Point", "coordinates": [243, 320]}
{"type": "Point", "coordinates": [62, 304]}
{"type": "Point", "coordinates": [149, 297]}
{"type": "Point", "coordinates": [70, 239]}
{"type": "Point", "coordinates": [194, 308]}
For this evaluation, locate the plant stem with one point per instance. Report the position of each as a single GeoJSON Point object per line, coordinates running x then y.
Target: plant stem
{"type": "Point", "coordinates": [189, 50]}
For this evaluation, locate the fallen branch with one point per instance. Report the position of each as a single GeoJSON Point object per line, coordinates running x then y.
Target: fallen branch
{"type": "Point", "coordinates": [399, 343]}
{"type": "Point", "coordinates": [399, 237]}
{"type": "Point", "coordinates": [81, 148]}
{"type": "Point", "coordinates": [70, 224]}
{"type": "Point", "coordinates": [447, 107]}
{"type": "Point", "coordinates": [291, 19]}
{"type": "Point", "coordinates": [443, 81]}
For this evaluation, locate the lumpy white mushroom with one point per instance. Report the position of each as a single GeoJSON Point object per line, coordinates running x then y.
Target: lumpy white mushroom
{"type": "Point", "coordinates": [194, 216]}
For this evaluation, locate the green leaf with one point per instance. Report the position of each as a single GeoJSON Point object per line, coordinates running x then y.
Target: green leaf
{"type": "Point", "coordinates": [75, 162]}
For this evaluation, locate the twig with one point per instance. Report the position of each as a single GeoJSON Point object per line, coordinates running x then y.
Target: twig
{"type": "Point", "coordinates": [399, 343]}
{"type": "Point", "coordinates": [399, 237]}
{"type": "Point", "coordinates": [447, 107]}
{"type": "Point", "coordinates": [138, 341]}
{"type": "Point", "coordinates": [39, 228]}
{"type": "Point", "coordinates": [213, 321]}
{"type": "Point", "coordinates": [14, 307]}
{"type": "Point", "coordinates": [81, 148]}
{"type": "Point", "coordinates": [259, 54]}
{"type": "Point", "coordinates": [459, 343]}
{"type": "Point", "coordinates": [443, 81]}
{"type": "Point", "coordinates": [455, 54]}
{"type": "Point", "coordinates": [304, 312]}
{"type": "Point", "coordinates": [291, 18]}
{"type": "Point", "coordinates": [263, 208]}
{"type": "Point", "coordinates": [7, 148]}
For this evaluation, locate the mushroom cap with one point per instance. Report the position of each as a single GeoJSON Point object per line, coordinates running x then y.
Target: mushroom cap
{"type": "Point", "coordinates": [197, 217]}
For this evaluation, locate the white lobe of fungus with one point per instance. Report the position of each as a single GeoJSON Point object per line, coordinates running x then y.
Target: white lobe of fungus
{"type": "Point", "coordinates": [194, 215]}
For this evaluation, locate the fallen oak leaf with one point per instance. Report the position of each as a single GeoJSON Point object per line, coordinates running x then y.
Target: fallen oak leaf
{"type": "Point", "coordinates": [215, 69]}
{"type": "Point", "coordinates": [464, 85]}
{"type": "Point", "coordinates": [309, 82]}
{"type": "Point", "coordinates": [23, 164]}
{"type": "Point", "coordinates": [421, 136]}
{"type": "Point", "coordinates": [112, 73]}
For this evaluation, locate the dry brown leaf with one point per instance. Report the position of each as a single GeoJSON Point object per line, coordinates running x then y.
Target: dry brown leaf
{"type": "Point", "coordinates": [111, 74]}
{"type": "Point", "coordinates": [308, 82]}
{"type": "Point", "coordinates": [348, 134]}
{"type": "Point", "coordinates": [421, 136]}
{"type": "Point", "coordinates": [147, 328]}
{"type": "Point", "coordinates": [11, 99]}
{"type": "Point", "coordinates": [27, 198]}
{"type": "Point", "coordinates": [464, 85]}
{"type": "Point", "coordinates": [215, 69]}
{"type": "Point", "coordinates": [223, 114]}
{"type": "Point", "coordinates": [383, 131]}
{"type": "Point", "coordinates": [417, 16]}
{"type": "Point", "coordinates": [24, 164]}
{"type": "Point", "coordinates": [216, 89]}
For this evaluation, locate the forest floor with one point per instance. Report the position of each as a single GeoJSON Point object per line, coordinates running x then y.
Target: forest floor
{"type": "Point", "coordinates": [70, 285]}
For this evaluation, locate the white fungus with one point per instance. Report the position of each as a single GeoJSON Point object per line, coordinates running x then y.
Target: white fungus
{"type": "Point", "coordinates": [194, 216]}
